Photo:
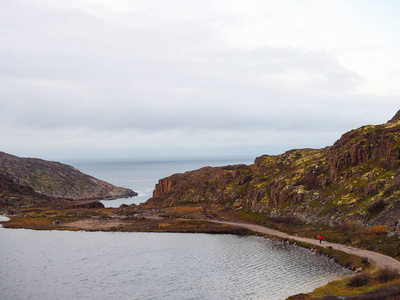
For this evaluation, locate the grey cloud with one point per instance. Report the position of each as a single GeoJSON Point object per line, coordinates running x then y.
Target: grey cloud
{"type": "Point", "coordinates": [64, 70]}
{"type": "Point", "coordinates": [162, 97]}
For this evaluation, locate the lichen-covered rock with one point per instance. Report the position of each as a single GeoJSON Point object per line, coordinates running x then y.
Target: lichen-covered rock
{"type": "Point", "coordinates": [328, 185]}
{"type": "Point", "coordinates": [12, 194]}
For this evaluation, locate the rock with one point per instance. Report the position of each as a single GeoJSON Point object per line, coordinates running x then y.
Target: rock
{"type": "Point", "coordinates": [329, 185]}
{"type": "Point", "coordinates": [58, 180]}
{"type": "Point", "coordinates": [12, 193]}
{"type": "Point", "coordinates": [86, 204]}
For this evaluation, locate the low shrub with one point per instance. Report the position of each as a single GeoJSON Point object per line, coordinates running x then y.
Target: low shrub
{"type": "Point", "coordinates": [377, 230]}
{"type": "Point", "coordinates": [387, 292]}
{"type": "Point", "coordinates": [365, 261]}
{"type": "Point", "coordinates": [387, 274]}
{"type": "Point", "coordinates": [359, 280]}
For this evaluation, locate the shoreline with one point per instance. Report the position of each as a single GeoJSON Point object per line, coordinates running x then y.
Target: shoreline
{"type": "Point", "coordinates": [152, 221]}
{"type": "Point", "coordinates": [231, 225]}
{"type": "Point", "coordinates": [199, 225]}
{"type": "Point", "coordinates": [261, 245]}
{"type": "Point", "coordinates": [381, 261]}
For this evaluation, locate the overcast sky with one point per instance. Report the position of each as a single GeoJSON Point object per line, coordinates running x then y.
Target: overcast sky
{"type": "Point", "coordinates": [149, 78]}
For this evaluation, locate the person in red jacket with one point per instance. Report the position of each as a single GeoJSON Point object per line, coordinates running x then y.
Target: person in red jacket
{"type": "Point", "coordinates": [320, 238]}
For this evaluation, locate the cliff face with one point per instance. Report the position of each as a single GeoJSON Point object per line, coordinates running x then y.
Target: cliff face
{"type": "Point", "coordinates": [357, 179]}
{"type": "Point", "coordinates": [57, 180]}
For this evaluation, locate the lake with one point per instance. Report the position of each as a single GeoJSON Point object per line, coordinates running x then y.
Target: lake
{"type": "Point", "coordinates": [116, 265]}
{"type": "Point", "coordinates": [105, 265]}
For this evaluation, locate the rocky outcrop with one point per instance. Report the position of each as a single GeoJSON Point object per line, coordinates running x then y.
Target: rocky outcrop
{"type": "Point", "coordinates": [54, 179]}
{"type": "Point", "coordinates": [213, 184]}
{"type": "Point", "coordinates": [330, 185]}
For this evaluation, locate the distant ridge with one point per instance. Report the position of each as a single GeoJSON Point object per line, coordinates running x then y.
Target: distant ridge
{"type": "Point", "coordinates": [57, 180]}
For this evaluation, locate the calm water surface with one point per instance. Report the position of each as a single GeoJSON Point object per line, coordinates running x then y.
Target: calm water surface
{"type": "Point", "coordinates": [104, 265]}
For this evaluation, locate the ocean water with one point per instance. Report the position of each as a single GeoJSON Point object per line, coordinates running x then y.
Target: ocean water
{"type": "Point", "coordinates": [105, 265]}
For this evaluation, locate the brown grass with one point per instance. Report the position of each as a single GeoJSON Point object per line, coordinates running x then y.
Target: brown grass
{"type": "Point", "coordinates": [386, 275]}
{"type": "Point", "coordinates": [389, 292]}
{"type": "Point", "coordinates": [377, 230]}
{"type": "Point", "coordinates": [359, 280]}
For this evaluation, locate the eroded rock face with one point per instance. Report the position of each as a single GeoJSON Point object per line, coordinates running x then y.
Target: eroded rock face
{"type": "Point", "coordinates": [329, 185]}
{"type": "Point", "coordinates": [58, 180]}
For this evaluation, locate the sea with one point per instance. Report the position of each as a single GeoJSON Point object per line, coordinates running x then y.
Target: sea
{"type": "Point", "coordinates": [142, 175]}
{"type": "Point", "coordinates": [120, 265]}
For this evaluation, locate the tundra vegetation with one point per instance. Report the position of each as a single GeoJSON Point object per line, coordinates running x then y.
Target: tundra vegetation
{"type": "Point", "coordinates": [384, 284]}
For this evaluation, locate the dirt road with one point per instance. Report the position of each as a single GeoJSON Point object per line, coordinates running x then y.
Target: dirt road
{"type": "Point", "coordinates": [380, 259]}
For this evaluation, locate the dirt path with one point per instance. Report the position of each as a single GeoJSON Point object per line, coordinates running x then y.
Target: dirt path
{"type": "Point", "coordinates": [380, 259]}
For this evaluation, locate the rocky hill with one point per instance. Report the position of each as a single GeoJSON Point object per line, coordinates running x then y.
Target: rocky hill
{"type": "Point", "coordinates": [12, 193]}
{"type": "Point", "coordinates": [54, 179]}
{"type": "Point", "coordinates": [355, 180]}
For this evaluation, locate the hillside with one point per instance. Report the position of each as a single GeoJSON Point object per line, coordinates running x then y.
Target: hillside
{"type": "Point", "coordinates": [12, 193]}
{"type": "Point", "coordinates": [357, 180]}
{"type": "Point", "coordinates": [54, 179]}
